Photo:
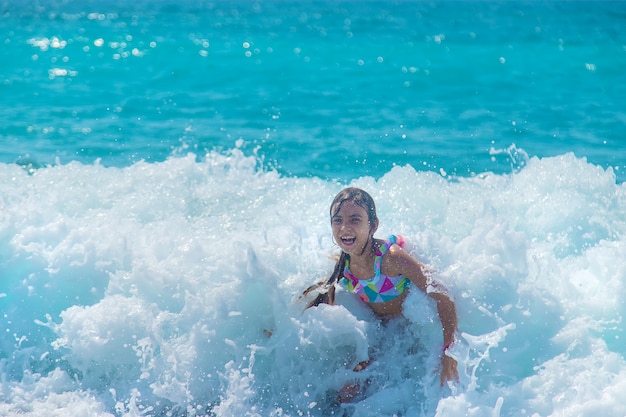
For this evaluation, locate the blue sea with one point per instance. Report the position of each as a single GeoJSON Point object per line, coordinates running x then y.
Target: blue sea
{"type": "Point", "coordinates": [166, 169]}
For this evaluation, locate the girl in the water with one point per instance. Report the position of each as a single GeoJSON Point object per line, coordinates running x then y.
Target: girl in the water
{"type": "Point", "coordinates": [380, 273]}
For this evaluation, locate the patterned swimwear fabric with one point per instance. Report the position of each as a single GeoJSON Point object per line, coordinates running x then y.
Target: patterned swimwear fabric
{"type": "Point", "coordinates": [380, 288]}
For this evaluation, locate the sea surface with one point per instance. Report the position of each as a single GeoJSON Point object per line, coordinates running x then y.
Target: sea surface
{"type": "Point", "coordinates": [166, 169]}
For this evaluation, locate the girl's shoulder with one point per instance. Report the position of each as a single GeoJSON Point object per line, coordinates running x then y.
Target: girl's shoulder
{"type": "Point", "coordinates": [394, 257]}
{"type": "Point", "coordinates": [393, 245]}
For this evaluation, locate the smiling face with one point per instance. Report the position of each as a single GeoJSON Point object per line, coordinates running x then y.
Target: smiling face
{"type": "Point", "coordinates": [351, 226]}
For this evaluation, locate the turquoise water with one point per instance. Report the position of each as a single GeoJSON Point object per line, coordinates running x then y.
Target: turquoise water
{"type": "Point", "coordinates": [329, 89]}
{"type": "Point", "coordinates": [165, 174]}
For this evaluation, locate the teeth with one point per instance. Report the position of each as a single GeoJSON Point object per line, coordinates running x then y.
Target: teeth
{"type": "Point", "coordinates": [348, 239]}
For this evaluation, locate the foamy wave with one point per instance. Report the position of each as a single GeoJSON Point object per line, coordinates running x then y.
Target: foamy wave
{"type": "Point", "coordinates": [173, 289]}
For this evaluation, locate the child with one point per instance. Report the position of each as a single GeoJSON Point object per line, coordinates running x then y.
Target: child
{"type": "Point", "coordinates": [380, 273]}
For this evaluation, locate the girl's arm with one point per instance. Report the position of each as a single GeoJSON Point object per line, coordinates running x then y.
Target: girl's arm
{"type": "Point", "coordinates": [400, 262]}
{"type": "Point", "coordinates": [447, 315]}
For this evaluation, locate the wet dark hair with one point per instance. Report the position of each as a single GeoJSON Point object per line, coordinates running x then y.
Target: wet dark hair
{"type": "Point", "coordinates": [358, 197]}
{"type": "Point", "coordinates": [327, 288]}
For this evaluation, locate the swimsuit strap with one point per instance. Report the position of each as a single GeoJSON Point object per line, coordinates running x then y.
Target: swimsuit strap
{"type": "Point", "coordinates": [378, 260]}
{"type": "Point", "coordinates": [368, 288]}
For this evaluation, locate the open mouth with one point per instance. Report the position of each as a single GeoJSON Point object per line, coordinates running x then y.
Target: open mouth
{"type": "Point", "coordinates": [348, 240]}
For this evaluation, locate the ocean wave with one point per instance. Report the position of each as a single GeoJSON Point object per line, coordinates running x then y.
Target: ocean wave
{"type": "Point", "coordinates": [172, 289]}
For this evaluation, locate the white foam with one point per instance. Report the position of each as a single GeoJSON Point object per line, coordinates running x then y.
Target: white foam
{"type": "Point", "coordinates": [173, 288]}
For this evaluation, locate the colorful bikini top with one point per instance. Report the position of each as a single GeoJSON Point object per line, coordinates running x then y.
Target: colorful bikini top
{"type": "Point", "coordinates": [379, 288]}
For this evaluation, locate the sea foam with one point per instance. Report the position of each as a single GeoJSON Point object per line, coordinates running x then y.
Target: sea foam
{"type": "Point", "coordinates": [173, 288]}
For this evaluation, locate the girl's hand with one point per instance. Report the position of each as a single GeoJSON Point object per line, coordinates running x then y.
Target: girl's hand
{"type": "Point", "coordinates": [449, 371]}
{"type": "Point", "coordinates": [350, 391]}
